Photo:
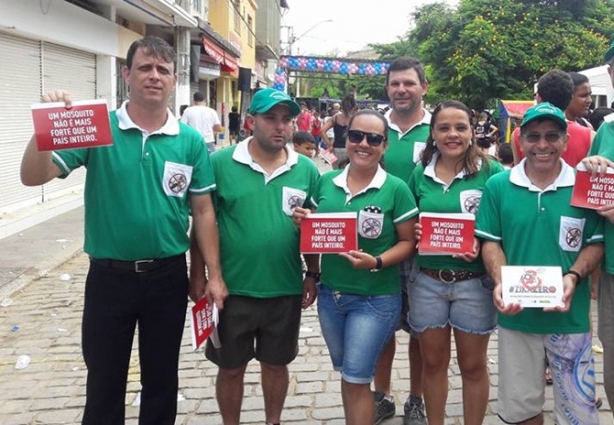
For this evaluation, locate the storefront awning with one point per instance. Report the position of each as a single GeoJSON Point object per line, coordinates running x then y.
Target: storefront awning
{"type": "Point", "coordinates": [213, 51]}
{"type": "Point", "coordinates": [230, 64]}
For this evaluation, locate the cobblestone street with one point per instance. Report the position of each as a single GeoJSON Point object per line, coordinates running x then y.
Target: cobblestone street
{"type": "Point", "coordinates": [43, 322]}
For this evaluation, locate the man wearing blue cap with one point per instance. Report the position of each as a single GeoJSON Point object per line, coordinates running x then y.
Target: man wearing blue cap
{"type": "Point", "coordinates": [525, 219]}
{"type": "Point", "coordinates": [260, 181]}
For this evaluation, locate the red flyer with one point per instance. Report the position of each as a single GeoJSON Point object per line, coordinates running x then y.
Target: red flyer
{"type": "Point", "coordinates": [446, 234]}
{"type": "Point", "coordinates": [204, 319]}
{"type": "Point", "coordinates": [84, 125]}
{"type": "Point", "coordinates": [327, 156]}
{"type": "Point", "coordinates": [329, 233]}
{"type": "Point", "coordinates": [592, 192]}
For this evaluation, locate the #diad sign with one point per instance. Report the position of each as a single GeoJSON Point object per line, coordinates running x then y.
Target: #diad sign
{"type": "Point", "coordinates": [328, 233]}
{"type": "Point", "coordinates": [592, 192]}
{"type": "Point", "coordinates": [84, 125]}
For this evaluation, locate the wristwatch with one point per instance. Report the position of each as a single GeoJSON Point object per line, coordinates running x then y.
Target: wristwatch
{"type": "Point", "coordinates": [574, 273]}
{"type": "Point", "coordinates": [378, 264]}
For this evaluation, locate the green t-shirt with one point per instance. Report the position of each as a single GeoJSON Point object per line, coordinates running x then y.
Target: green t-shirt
{"type": "Point", "coordinates": [259, 243]}
{"type": "Point", "coordinates": [461, 196]}
{"type": "Point", "coordinates": [136, 191]}
{"type": "Point", "coordinates": [404, 149]}
{"type": "Point", "coordinates": [540, 228]}
{"type": "Point", "coordinates": [384, 203]}
{"type": "Point", "coordinates": [603, 145]}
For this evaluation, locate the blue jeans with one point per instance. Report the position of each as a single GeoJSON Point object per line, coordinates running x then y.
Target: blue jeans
{"type": "Point", "coordinates": [356, 328]}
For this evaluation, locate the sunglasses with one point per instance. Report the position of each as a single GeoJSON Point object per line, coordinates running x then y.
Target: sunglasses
{"type": "Point", "coordinates": [357, 136]}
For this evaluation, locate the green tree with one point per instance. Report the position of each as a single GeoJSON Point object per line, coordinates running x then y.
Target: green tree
{"type": "Point", "coordinates": [484, 50]}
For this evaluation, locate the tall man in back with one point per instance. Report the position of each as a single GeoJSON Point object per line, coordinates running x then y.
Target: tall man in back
{"type": "Point", "coordinates": [259, 246]}
{"type": "Point", "coordinates": [204, 119]}
{"type": "Point", "coordinates": [138, 196]}
{"type": "Point", "coordinates": [602, 157]}
{"type": "Point", "coordinates": [409, 128]}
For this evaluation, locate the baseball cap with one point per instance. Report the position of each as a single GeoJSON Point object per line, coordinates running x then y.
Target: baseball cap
{"type": "Point", "coordinates": [544, 110]}
{"type": "Point", "coordinates": [265, 99]}
{"type": "Point", "coordinates": [609, 54]}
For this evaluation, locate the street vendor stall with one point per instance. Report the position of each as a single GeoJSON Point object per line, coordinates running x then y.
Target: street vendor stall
{"type": "Point", "coordinates": [510, 115]}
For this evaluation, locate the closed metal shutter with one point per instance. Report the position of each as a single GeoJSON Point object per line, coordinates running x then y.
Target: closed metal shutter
{"type": "Point", "coordinates": [20, 86]}
{"type": "Point", "coordinates": [75, 71]}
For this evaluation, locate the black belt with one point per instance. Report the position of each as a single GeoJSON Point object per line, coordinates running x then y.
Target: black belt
{"type": "Point", "coordinates": [451, 276]}
{"type": "Point", "coordinates": [139, 266]}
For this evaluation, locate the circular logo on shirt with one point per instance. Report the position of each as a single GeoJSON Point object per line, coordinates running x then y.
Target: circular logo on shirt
{"type": "Point", "coordinates": [294, 201]}
{"type": "Point", "coordinates": [573, 237]}
{"type": "Point", "coordinates": [472, 204]}
{"type": "Point", "coordinates": [177, 182]}
{"type": "Point", "coordinates": [371, 227]}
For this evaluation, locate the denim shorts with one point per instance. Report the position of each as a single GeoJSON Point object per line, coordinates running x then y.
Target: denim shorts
{"type": "Point", "coordinates": [466, 305]}
{"type": "Point", "coordinates": [356, 328]}
{"type": "Point", "coordinates": [408, 270]}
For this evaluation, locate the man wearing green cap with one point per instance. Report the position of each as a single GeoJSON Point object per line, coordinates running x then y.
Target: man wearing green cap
{"type": "Point", "coordinates": [259, 183]}
{"type": "Point", "coordinates": [525, 219]}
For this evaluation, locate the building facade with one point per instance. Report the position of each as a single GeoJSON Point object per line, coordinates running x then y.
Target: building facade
{"type": "Point", "coordinates": [80, 46]}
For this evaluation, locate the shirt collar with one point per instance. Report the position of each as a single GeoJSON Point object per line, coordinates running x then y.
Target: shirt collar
{"type": "Point", "coordinates": [426, 119]}
{"type": "Point", "coordinates": [241, 154]}
{"type": "Point", "coordinates": [376, 183]}
{"type": "Point", "coordinates": [170, 127]}
{"type": "Point", "coordinates": [566, 177]}
{"type": "Point", "coordinates": [429, 170]}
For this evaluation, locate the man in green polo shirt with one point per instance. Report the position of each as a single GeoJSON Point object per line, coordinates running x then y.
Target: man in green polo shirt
{"type": "Point", "coordinates": [525, 219]}
{"type": "Point", "coordinates": [408, 124]}
{"type": "Point", "coordinates": [259, 183]}
{"type": "Point", "coordinates": [138, 195]}
{"type": "Point", "coordinates": [602, 157]}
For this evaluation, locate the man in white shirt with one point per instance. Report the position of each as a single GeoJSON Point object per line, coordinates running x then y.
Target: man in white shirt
{"type": "Point", "coordinates": [204, 119]}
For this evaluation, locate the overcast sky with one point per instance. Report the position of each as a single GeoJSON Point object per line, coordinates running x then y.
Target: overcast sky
{"type": "Point", "coordinates": [355, 23]}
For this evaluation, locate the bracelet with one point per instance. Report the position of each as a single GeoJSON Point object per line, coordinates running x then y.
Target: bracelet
{"type": "Point", "coordinates": [315, 275]}
{"type": "Point", "coordinates": [574, 273]}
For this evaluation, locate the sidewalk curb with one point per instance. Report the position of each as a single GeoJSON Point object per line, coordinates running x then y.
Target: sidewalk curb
{"type": "Point", "coordinates": [31, 275]}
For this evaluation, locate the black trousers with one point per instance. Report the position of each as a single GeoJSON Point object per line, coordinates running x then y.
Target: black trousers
{"type": "Point", "coordinates": [115, 302]}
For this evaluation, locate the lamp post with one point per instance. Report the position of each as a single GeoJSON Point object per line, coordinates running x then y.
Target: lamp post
{"type": "Point", "coordinates": [292, 39]}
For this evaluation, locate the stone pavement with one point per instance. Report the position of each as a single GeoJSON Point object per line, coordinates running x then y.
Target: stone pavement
{"type": "Point", "coordinates": [43, 322]}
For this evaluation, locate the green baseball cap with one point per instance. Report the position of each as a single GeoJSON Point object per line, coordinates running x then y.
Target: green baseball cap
{"type": "Point", "coordinates": [545, 111]}
{"type": "Point", "coordinates": [265, 99]}
{"type": "Point", "coordinates": [609, 54]}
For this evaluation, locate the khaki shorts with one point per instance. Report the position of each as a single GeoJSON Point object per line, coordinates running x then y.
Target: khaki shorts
{"type": "Point", "coordinates": [522, 366]}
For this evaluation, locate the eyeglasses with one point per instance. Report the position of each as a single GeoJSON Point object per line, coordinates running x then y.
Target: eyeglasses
{"type": "Point", "coordinates": [357, 136]}
{"type": "Point", "coordinates": [551, 137]}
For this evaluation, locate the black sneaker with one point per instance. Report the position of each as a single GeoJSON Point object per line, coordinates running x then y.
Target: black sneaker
{"type": "Point", "coordinates": [414, 413]}
{"type": "Point", "coordinates": [384, 407]}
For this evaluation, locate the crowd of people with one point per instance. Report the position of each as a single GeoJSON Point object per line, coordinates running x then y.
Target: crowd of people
{"type": "Point", "coordinates": [247, 203]}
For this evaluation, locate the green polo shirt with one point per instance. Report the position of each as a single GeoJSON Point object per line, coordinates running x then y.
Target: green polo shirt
{"type": "Point", "coordinates": [259, 243]}
{"type": "Point", "coordinates": [603, 145]}
{"type": "Point", "coordinates": [383, 204]}
{"type": "Point", "coordinates": [136, 191]}
{"type": "Point", "coordinates": [540, 228]}
{"type": "Point", "coordinates": [461, 196]}
{"type": "Point", "coordinates": [405, 148]}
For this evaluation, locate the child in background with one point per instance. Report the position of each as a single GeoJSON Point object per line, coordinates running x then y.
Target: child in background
{"type": "Point", "coordinates": [304, 143]}
{"type": "Point", "coordinates": [505, 156]}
